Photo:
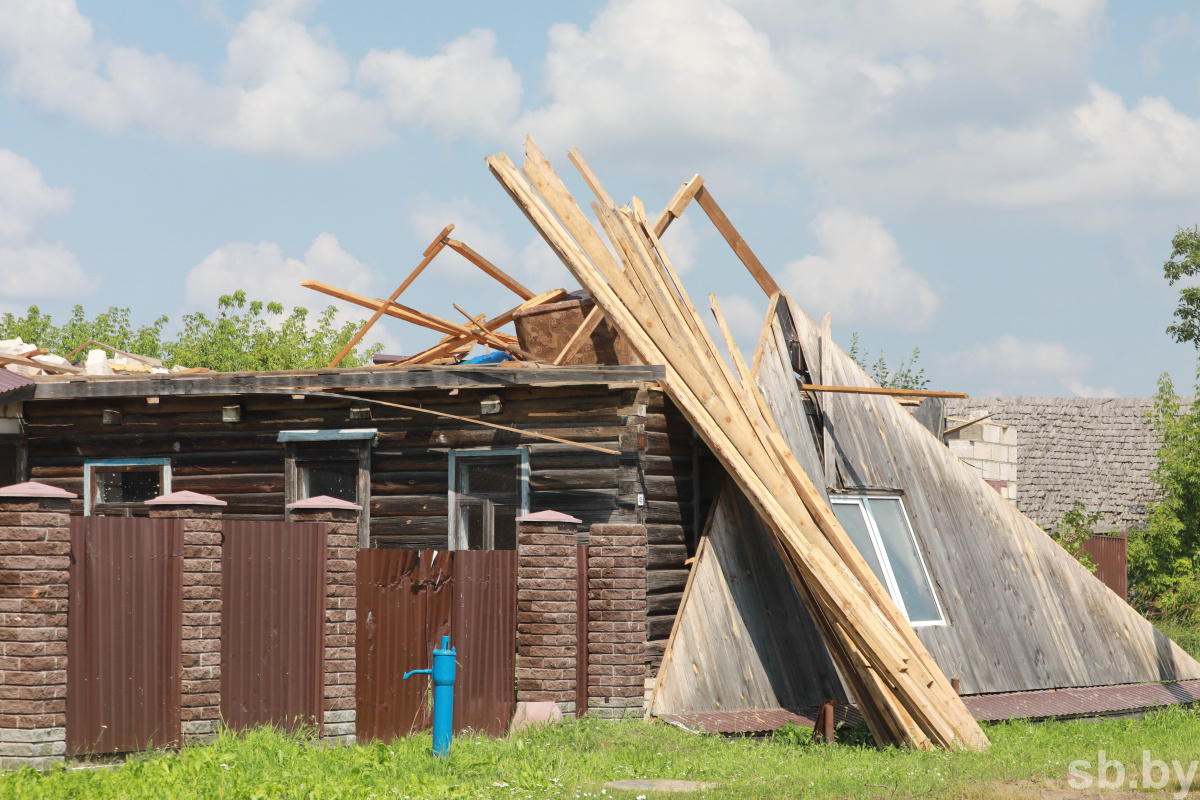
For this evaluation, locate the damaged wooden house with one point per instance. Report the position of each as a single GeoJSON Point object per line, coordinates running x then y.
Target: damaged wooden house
{"type": "Point", "coordinates": [807, 538]}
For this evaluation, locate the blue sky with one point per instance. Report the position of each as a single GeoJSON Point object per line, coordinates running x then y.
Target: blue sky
{"type": "Point", "coordinates": [994, 181]}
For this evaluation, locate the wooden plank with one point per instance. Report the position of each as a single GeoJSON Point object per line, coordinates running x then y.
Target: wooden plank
{"type": "Point", "coordinates": [743, 639]}
{"type": "Point", "coordinates": [594, 318]}
{"type": "Point", "coordinates": [6, 358]}
{"type": "Point", "coordinates": [678, 203]}
{"type": "Point", "coordinates": [424, 377]}
{"type": "Point", "coordinates": [430, 253]}
{"type": "Point", "coordinates": [880, 390]}
{"type": "Point", "coordinates": [502, 277]}
{"type": "Point", "coordinates": [735, 240]}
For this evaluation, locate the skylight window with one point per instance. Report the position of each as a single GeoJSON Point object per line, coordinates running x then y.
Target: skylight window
{"type": "Point", "coordinates": [880, 530]}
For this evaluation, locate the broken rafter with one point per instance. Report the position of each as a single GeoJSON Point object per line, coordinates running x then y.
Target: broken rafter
{"type": "Point", "coordinates": [430, 253]}
{"type": "Point", "coordinates": [904, 695]}
{"type": "Point", "coordinates": [814, 387]}
{"type": "Point", "coordinates": [507, 281]}
{"type": "Point", "coordinates": [452, 343]}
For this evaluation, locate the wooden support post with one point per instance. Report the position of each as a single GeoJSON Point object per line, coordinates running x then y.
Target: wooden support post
{"type": "Point", "coordinates": [430, 253]}
{"type": "Point", "coordinates": [823, 725]}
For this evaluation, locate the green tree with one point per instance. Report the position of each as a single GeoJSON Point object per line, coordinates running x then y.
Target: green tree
{"type": "Point", "coordinates": [1183, 263]}
{"type": "Point", "coordinates": [112, 327]}
{"type": "Point", "coordinates": [1072, 531]}
{"type": "Point", "coordinates": [905, 376]}
{"type": "Point", "coordinates": [1164, 555]}
{"type": "Point", "coordinates": [241, 336]}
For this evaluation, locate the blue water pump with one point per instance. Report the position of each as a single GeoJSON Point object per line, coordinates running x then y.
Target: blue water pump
{"type": "Point", "coordinates": [443, 696]}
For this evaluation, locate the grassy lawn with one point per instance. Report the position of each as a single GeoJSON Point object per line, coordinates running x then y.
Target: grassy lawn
{"type": "Point", "coordinates": [575, 759]}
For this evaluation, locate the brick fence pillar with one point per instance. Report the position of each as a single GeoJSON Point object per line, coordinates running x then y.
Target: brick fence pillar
{"type": "Point", "coordinates": [616, 620]}
{"type": "Point", "coordinates": [35, 547]}
{"type": "Point", "coordinates": [338, 723]}
{"type": "Point", "coordinates": [547, 544]}
{"type": "Point", "coordinates": [200, 684]}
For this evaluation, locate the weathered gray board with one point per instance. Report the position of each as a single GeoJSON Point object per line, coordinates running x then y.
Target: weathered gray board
{"type": "Point", "coordinates": [1022, 614]}
{"type": "Point", "coordinates": [743, 639]}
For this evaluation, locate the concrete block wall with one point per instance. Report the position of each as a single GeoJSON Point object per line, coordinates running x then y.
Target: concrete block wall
{"type": "Point", "coordinates": [991, 448]}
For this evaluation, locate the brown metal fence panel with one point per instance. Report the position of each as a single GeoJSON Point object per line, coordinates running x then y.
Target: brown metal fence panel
{"type": "Point", "coordinates": [485, 636]}
{"type": "Point", "coordinates": [125, 634]}
{"type": "Point", "coordinates": [581, 631]}
{"type": "Point", "coordinates": [1112, 561]}
{"type": "Point", "coordinates": [404, 601]}
{"type": "Point", "coordinates": [272, 623]}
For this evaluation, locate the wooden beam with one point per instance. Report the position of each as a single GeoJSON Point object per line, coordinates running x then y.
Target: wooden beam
{"type": "Point", "coordinates": [430, 253]}
{"type": "Point", "coordinates": [506, 280]}
{"type": "Point", "coordinates": [452, 343]}
{"type": "Point", "coordinates": [391, 308]}
{"type": "Point", "coordinates": [757, 270]}
{"type": "Point", "coordinates": [589, 177]}
{"type": "Point", "coordinates": [958, 428]}
{"type": "Point", "coordinates": [813, 387]}
{"type": "Point", "coordinates": [495, 341]}
{"type": "Point", "coordinates": [29, 362]}
{"type": "Point", "coordinates": [678, 203]}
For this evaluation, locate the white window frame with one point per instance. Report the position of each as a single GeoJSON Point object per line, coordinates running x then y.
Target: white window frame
{"type": "Point", "coordinates": [456, 538]}
{"type": "Point", "coordinates": [885, 563]}
{"type": "Point", "coordinates": [89, 502]}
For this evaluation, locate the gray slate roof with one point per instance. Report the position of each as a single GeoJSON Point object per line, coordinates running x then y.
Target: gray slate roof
{"type": "Point", "coordinates": [1098, 451]}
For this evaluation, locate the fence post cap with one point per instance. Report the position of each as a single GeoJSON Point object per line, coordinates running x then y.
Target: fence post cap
{"type": "Point", "coordinates": [548, 516]}
{"type": "Point", "coordinates": [322, 502]}
{"type": "Point", "coordinates": [35, 489]}
{"type": "Point", "coordinates": [186, 498]}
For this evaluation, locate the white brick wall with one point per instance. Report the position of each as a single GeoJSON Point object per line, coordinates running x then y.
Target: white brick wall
{"type": "Point", "coordinates": [991, 449]}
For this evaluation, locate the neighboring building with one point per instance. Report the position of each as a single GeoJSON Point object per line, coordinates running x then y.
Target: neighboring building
{"type": "Point", "coordinates": [991, 448]}
{"type": "Point", "coordinates": [1098, 451]}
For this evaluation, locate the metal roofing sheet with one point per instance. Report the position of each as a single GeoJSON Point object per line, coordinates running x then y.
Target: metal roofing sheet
{"type": "Point", "coordinates": [14, 387]}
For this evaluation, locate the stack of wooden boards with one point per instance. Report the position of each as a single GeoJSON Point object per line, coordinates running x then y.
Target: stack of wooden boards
{"type": "Point", "coordinates": [902, 693]}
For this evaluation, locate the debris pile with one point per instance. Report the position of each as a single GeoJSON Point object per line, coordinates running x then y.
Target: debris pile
{"type": "Point", "coordinates": [901, 691]}
{"type": "Point", "coordinates": [25, 358]}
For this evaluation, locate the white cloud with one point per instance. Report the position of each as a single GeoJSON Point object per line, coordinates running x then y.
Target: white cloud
{"type": "Point", "coordinates": [862, 277]}
{"type": "Point", "coordinates": [30, 267]}
{"type": "Point", "coordinates": [464, 89]}
{"type": "Point", "coordinates": [266, 274]}
{"type": "Point", "coordinates": [1010, 366]}
{"type": "Point", "coordinates": [285, 88]}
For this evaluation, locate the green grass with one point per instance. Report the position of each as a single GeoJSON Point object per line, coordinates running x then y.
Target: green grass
{"type": "Point", "coordinates": [1185, 634]}
{"type": "Point", "coordinates": [573, 760]}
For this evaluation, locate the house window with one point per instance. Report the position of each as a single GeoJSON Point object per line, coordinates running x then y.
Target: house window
{"type": "Point", "coordinates": [121, 487]}
{"type": "Point", "coordinates": [880, 530]}
{"type": "Point", "coordinates": [333, 463]}
{"type": "Point", "coordinates": [489, 489]}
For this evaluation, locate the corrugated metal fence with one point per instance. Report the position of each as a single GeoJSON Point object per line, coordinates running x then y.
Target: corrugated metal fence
{"type": "Point", "coordinates": [125, 631]}
{"type": "Point", "coordinates": [408, 600]}
{"type": "Point", "coordinates": [272, 623]}
{"type": "Point", "coordinates": [1112, 561]}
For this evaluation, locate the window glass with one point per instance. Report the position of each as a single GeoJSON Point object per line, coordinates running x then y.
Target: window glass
{"type": "Point", "coordinates": [125, 485]}
{"type": "Point", "coordinates": [852, 517]}
{"type": "Point", "coordinates": [471, 518]}
{"type": "Point", "coordinates": [340, 481]}
{"type": "Point", "coordinates": [905, 561]}
{"type": "Point", "coordinates": [504, 522]}
{"type": "Point", "coordinates": [492, 476]}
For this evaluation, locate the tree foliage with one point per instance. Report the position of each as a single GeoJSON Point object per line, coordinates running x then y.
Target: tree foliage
{"type": "Point", "coordinates": [242, 335]}
{"type": "Point", "coordinates": [1164, 555]}
{"type": "Point", "coordinates": [904, 376]}
{"type": "Point", "coordinates": [1073, 530]}
{"type": "Point", "coordinates": [1183, 263]}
